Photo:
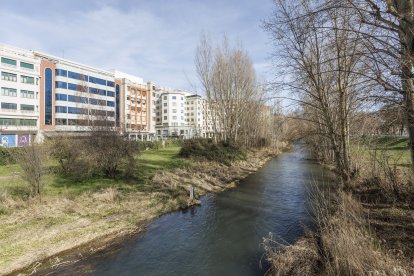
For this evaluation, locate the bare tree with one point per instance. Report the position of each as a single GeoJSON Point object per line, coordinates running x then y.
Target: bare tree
{"type": "Point", "coordinates": [229, 82]}
{"type": "Point", "coordinates": [31, 159]}
{"type": "Point", "coordinates": [320, 60]}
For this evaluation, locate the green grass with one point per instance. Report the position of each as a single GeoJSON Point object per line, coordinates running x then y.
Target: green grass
{"type": "Point", "coordinates": [8, 170]}
{"type": "Point", "coordinates": [394, 148]}
{"type": "Point", "coordinates": [147, 165]}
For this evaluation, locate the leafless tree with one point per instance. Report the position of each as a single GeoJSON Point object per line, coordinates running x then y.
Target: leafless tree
{"type": "Point", "coordinates": [321, 65]}
{"type": "Point", "coordinates": [31, 158]}
{"type": "Point", "coordinates": [234, 97]}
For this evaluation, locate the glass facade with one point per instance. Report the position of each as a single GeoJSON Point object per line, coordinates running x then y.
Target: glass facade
{"type": "Point", "coordinates": [61, 109]}
{"type": "Point", "coordinates": [77, 76]}
{"type": "Point", "coordinates": [97, 80]}
{"type": "Point", "coordinates": [62, 73]}
{"type": "Point", "coordinates": [48, 120]}
{"type": "Point", "coordinates": [61, 97]}
{"type": "Point", "coordinates": [117, 100]}
{"type": "Point", "coordinates": [61, 84]}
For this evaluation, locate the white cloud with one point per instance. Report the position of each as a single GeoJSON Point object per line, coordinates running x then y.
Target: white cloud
{"type": "Point", "coordinates": [154, 42]}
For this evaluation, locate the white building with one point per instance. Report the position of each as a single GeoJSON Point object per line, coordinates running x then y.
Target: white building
{"type": "Point", "coordinates": [19, 113]}
{"type": "Point", "coordinates": [73, 96]}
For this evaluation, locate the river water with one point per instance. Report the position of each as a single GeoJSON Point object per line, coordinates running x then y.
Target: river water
{"type": "Point", "coordinates": [224, 235]}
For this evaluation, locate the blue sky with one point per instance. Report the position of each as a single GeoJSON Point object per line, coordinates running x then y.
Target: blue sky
{"type": "Point", "coordinates": [155, 40]}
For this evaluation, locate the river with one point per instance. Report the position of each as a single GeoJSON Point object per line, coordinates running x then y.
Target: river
{"type": "Point", "coordinates": [224, 235]}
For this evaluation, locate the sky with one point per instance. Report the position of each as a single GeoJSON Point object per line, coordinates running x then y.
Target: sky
{"type": "Point", "coordinates": [155, 40]}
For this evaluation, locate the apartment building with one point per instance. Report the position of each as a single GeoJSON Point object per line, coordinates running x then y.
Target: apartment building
{"type": "Point", "coordinates": [44, 95]}
{"type": "Point", "coordinates": [73, 97]}
{"type": "Point", "coordinates": [134, 106]}
{"type": "Point", "coordinates": [170, 114]}
{"type": "Point", "coordinates": [19, 83]}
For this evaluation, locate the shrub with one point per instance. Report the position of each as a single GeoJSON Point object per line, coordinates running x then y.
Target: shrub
{"type": "Point", "coordinates": [31, 159]}
{"type": "Point", "coordinates": [206, 149]}
{"type": "Point", "coordinates": [7, 155]}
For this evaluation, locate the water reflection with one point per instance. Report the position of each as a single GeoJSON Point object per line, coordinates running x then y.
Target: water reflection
{"type": "Point", "coordinates": [223, 236]}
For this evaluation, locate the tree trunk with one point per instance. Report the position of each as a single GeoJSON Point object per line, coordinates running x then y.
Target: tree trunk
{"type": "Point", "coordinates": [407, 56]}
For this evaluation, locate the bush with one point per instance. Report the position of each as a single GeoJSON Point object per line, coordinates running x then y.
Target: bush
{"type": "Point", "coordinates": [144, 145]}
{"type": "Point", "coordinates": [7, 155]}
{"type": "Point", "coordinates": [155, 145]}
{"type": "Point", "coordinates": [206, 149]}
{"type": "Point", "coordinates": [102, 153]}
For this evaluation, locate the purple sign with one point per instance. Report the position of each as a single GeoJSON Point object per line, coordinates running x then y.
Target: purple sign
{"type": "Point", "coordinates": [23, 140]}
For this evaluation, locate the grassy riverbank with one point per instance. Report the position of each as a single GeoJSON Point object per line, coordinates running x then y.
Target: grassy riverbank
{"type": "Point", "coordinates": [74, 214]}
{"type": "Point", "coordinates": [367, 228]}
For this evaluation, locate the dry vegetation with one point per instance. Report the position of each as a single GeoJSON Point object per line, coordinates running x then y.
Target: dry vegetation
{"type": "Point", "coordinates": [344, 244]}
{"type": "Point", "coordinates": [32, 233]}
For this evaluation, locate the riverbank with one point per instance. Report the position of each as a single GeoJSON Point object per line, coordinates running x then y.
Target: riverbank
{"type": "Point", "coordinates": [365, 229]}
{"type": "Point", "coordinates": [34, 235]}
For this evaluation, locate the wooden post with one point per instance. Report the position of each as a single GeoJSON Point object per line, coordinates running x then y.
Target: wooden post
{"type": "Point", "coordinates": [191, 192]}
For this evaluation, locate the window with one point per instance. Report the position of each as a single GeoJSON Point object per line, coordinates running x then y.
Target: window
{"type": "Point", "coordinates": [97, 80]}
{"type": "Point", "coordinates": [165, 104]}
{"type": "Point", "coordinates": [26, 107]}
{"type": "Point", "coordinates": [8, 61]}
{"type": "Point", "coordinates": [110, 103]}
{"type": "Point", "coordinates": [93, 90]}
{"type": "Point", "coordinates": [75, 87]}
{"type": "Point", "coordinates": [27, 122]}
{"type": "Point", "coordinates": [48, 97]}
{"type": "Point", "coordinates": [174, 104]}
{"type": "Point", "coordinates": [10, 92]}
{"type": "Point", "coordinates": [174, 97]}
{"type": "Point", "coordinates": [165, 110]}
{"type": "Point", "coordinates": [77, 110]}
{"type": "Point", "coordinates": [174, 117]}
{"type": "Point", "coordinates": [110, 94]}
{"type": "Point", "coordinates": [61, 84]}
{"type": "Point", "coordinates": [61, 122]}
{"type": "Point", "coordinates": [93, 101]}
{"type": "Point", "coordinates": [77, 76]}
{"type": "Point", "coordinates": [61, 97]}
{"type": "Point", "coordinates": [12, 106]}
{"type": "Point", "coordinates": [61, 72]}
{"type": "Point", "coordinates": [174, 111]}
{"type": "Point", "coordinates": [110, 83]}
{"type": "Point", "coordinates": [8, 122]}
{"type": "Point", "coordinates": [26, 65]}
{"type": "Point", "coordinates": [165, 117]}
{"type": "Point", "coordinates": [77, 99]}
{"type": "Point", "coordinates": [61, 109]}
{"type": "Point", "coordinates": [102, 92]}
{"type": "Point", "coordinates": [26, 79]}
{"type": "Point", "coordinates": [27, 94]}
{"type": "Point", "coordinates": [8, 76]}
{"type": "Point", "coordinates": [165, 97]}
